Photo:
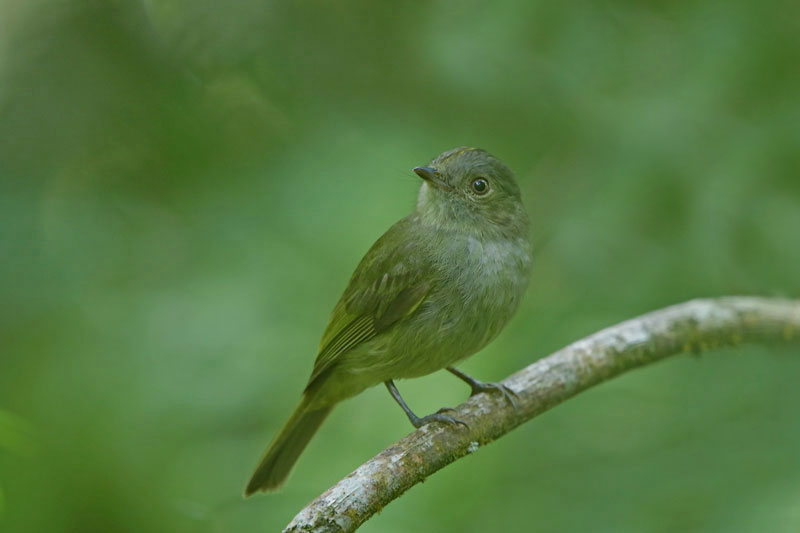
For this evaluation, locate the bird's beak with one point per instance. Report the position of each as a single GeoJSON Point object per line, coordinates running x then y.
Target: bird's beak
{"type": "Point", "coordinates": [432, 176]}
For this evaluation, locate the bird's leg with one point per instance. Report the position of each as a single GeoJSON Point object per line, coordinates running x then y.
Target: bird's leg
{"type": "Point", "coordinates": [479, 386]}
{"type": "Point", "coordinates": [418, 422]}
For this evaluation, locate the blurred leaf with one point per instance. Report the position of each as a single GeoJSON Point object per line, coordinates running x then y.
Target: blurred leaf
{"type": "Point", "coordinates": [16, 435]}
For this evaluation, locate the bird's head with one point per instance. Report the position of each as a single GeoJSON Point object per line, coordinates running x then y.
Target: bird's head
{"type": "Point", "coordinates": [469, 189]}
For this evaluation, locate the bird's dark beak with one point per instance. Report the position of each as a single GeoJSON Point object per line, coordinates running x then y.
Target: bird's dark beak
{"type": "Point", "coordinates": [432, 176]}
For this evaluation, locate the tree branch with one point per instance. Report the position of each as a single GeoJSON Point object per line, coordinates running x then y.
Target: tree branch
{"type": "Point", "coordinates": [693, 326]}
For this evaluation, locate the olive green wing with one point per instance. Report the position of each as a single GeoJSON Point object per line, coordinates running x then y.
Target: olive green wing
{"type": "Point", "coordinates": [389, 284]}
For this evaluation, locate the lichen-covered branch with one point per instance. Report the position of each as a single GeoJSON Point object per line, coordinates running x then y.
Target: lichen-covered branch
{"type": "Point", "coordinates": [694, 326]}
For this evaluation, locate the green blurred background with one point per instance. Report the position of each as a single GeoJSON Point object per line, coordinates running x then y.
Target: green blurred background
{"type": "Point", "coordinates": [186, 185]}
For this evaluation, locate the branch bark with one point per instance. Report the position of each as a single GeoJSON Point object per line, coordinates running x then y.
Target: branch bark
{"type": "Point", "coordinates": [693, 327]}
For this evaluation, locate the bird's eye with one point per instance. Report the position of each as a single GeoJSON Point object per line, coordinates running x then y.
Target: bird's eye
{"type": "Point", "coordinates": [480, 186]}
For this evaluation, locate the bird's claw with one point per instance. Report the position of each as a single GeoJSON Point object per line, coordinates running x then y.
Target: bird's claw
{"type": "Point", "coordinates": [439, 416]}
{"type": "Point", "coordinates": [510, 396]}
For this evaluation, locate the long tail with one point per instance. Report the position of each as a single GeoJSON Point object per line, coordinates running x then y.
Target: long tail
{"type": "Point", "coordinates": [282, 454]}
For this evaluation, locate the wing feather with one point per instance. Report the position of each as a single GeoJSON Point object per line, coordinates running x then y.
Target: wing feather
{"type": "Point", "coordinates": [388, 285]}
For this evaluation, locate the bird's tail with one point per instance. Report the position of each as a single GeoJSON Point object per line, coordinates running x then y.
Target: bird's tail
{"type": "Point", "coordinates": [282, 454]}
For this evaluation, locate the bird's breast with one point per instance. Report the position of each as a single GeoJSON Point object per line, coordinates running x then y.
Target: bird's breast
{"type": "Point", "coordinates": [489, 278]}
{"type": "Point", "coordinates": [476, 286]}
{"type": "Point", "coordinates": [479, 287]}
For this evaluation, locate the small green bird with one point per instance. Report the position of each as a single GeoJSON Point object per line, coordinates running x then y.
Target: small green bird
{"type": "Point", "coordinates": [433, 290]}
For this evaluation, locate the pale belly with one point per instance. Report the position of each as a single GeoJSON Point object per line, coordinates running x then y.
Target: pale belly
{"type": "Point", "coordinates": [466, 310]}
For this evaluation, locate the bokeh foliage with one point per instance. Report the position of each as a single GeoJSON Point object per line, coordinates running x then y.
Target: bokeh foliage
{"type": "Point", "coordinates": [185, 186]}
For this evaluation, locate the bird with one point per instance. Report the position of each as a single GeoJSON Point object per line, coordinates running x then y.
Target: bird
{"type": "Point", "coordinates": [434, 289]}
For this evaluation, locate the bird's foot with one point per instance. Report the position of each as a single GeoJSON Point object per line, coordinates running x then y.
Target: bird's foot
{"type": "Point", "coordinates": [494, 388]}
{"type": "Point", "coordinates": [479, 386]}
{"type": "Point", "coordinates": [438, 416]}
